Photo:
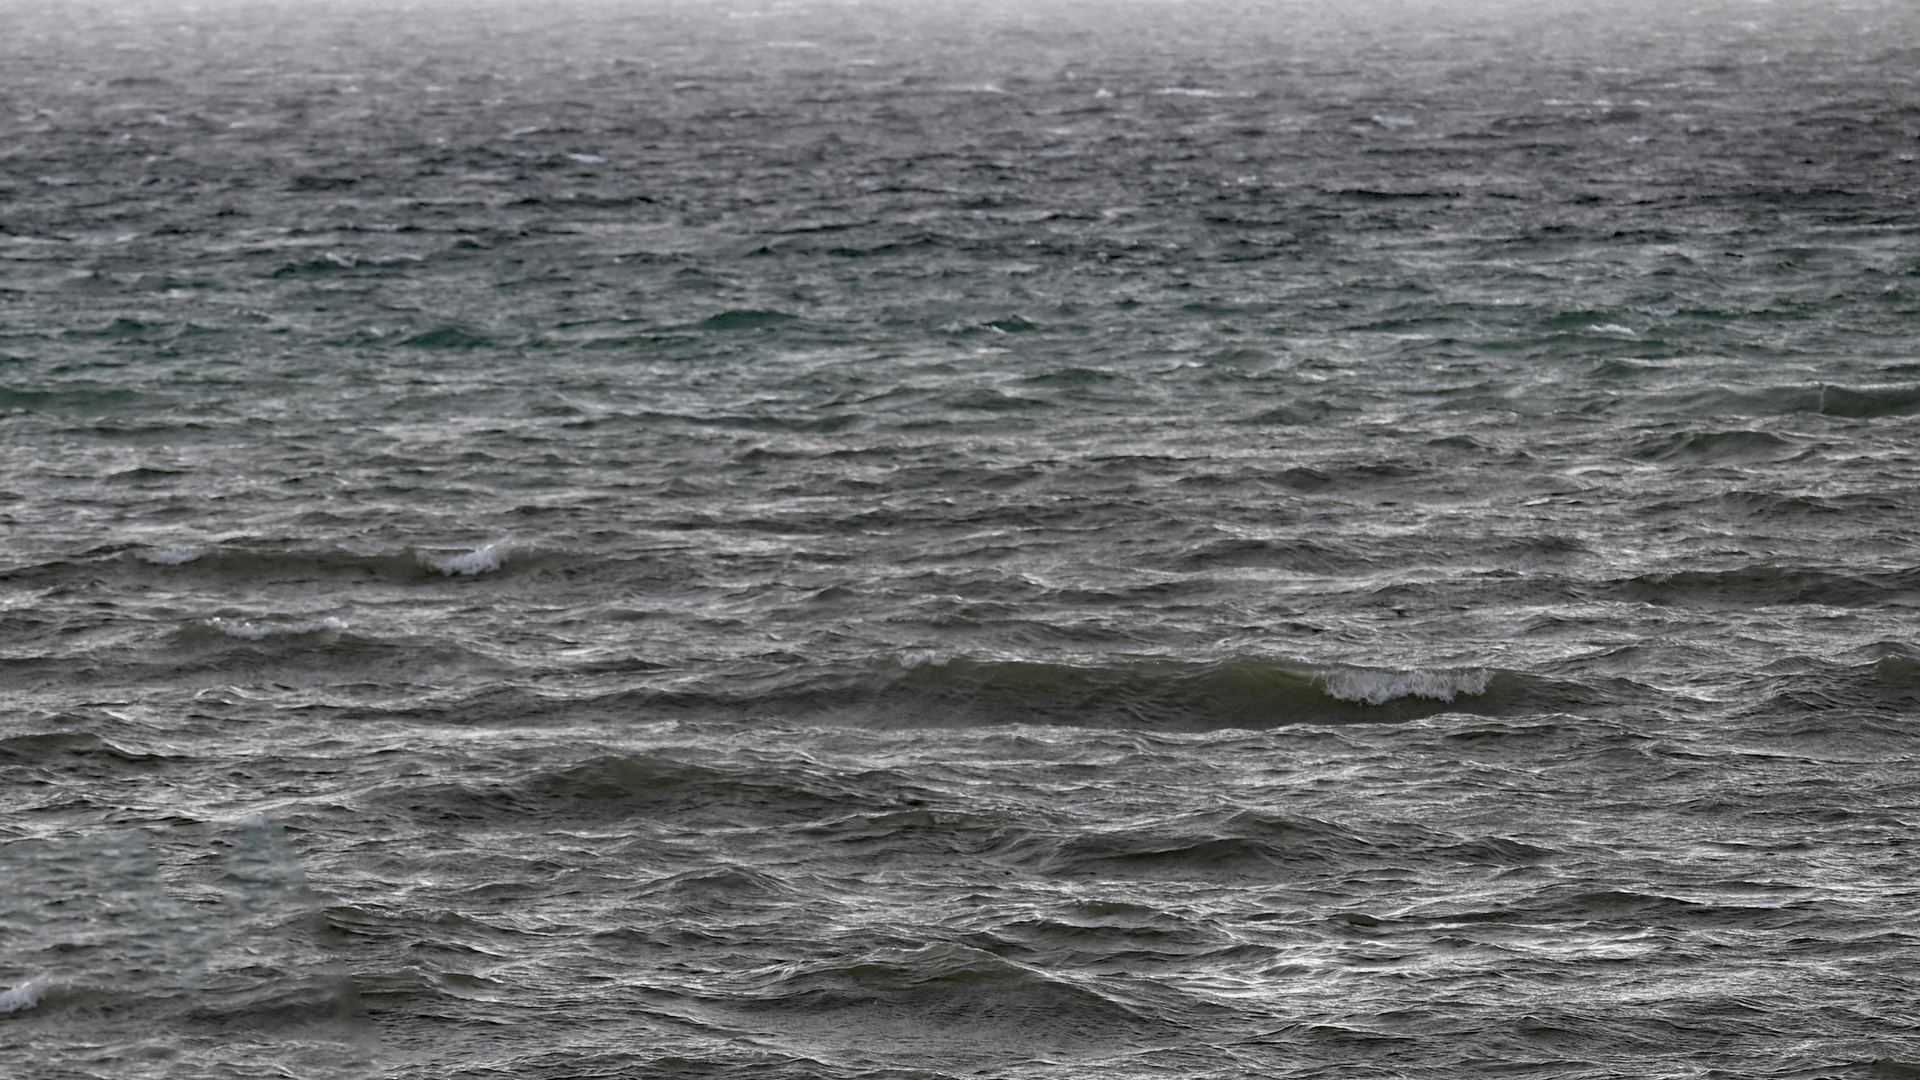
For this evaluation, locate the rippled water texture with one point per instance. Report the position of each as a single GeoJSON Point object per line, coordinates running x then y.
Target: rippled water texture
{"type": "Point", "coordinates": [844, 540]}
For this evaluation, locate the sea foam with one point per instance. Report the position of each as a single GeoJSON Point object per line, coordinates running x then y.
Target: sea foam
{"type": "Point", "coordinates": [252, 631]}
{"type": "Point", "coordinates": [477, 561]}
{"type": "Point", "coordinates": [1380, 687]}
{"type": "Point", "coordinates": [171, 556]}
{"type": "Point", "coordinates": [24, 996]}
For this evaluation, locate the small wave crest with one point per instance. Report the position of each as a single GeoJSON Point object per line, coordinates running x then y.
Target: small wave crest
{"type": "Point", "coordinates": [1380, 687]}
{"type": "Point", "coordinates": [467, 564]}
{"type": "Point", "coordinates": [172, 556]}
{"type": "Point", "coordinates": [259, 631]}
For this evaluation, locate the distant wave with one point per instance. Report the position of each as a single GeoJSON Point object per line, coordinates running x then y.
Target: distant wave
{"type": "Point", "coordinates": [1767, 583]}
{"type": "Point", "coordinates": [249, 564]}
{"type": "Point", "coordinates": [1846, 402]}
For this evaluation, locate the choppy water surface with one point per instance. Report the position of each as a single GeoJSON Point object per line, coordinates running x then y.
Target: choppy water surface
{"type": "Point", "coordinates": [839, 540]}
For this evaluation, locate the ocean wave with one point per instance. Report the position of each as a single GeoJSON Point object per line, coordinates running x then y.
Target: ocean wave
{"type": "Point", "coordinates": [623, 786]}
{"type": "Point", "coordinates": [1716, 447]}
{"type": "Point", "coordinates": [1883, 679]}
{"type": "Point", "coordinates": [747, 319]}
{"type": "Point", "coordinates": [171, 556]}
{"type": "Point", "coordinates": [298, 652]}
{"type": "Point", "coordinates": [24, 996]}
{"type": "Point", "coordinates": [947, 989]}
{"type": "Point", "coordinates": [254, 564]}
{"type": "Point", "coordinates": [1822, 399]}
{"type": "Point", "coordinates": [448, 337]}
{"type": "Point", "coordinates": [920, 688]}
{"type": "Point", "coordinates": [73, 753]}
{"type": "Point", "coordinates": [1244, 847]}
{"type": "Point", "coordinates": [94, 922]}
{"type": "Point", "coordinates": [248, 630]}
{"type": "Point", "coordinates": [931, 688]}
{"type": "Point", "coordinates": [1380, 687]}
{"type": "Point", "coordinates": [1767, 584]}
{"type": "Point", "coordinates": [480, 560]}
{"type": "Point", "coordinates": [87, 400]}
{"type": "Point", "coordinates": [245, 564]}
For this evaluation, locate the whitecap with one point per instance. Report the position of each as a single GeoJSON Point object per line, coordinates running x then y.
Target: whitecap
{"type": "Point", "coordinates": [171, 556]}
{"type": "Point", "coordinates": [1380, 687]}
{"type": "Point", "coordinates": [586, 159]}
{"type": "Point", "coordinates": [1188, 91]}
{"type": "Point", "coordinates": [477, 561]}
{"type": "Point", "coordinates": [1611, 328]}
{"type": "Point", "coordinates": [253, 631]}
{"type": "Point", "coordinates": [24, 996]}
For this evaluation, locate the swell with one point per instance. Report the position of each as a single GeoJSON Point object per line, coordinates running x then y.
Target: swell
{"type": "Point", "coordinates": [1171, 695]}
{"type": "Point", "coordinates": [1822, 399]}
{"type": "Point", "coordinates": [255, 565]}
{"type": "Point", "coordinates": [1767, 584]}
{"type": "Point", "coordinates": [1148, 694]}
{"type": "Point", "coordinates": [1882, 679]}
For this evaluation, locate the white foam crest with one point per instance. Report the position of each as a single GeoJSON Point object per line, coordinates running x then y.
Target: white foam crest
{"type": "Point", "coordinates": [478, 561]}
{"type": "Point", "coordinates": [171, 556]}
{"type": "Point", "coordinates": [1611, 328]}
{"type": "Point", "coordinates": [24, 996]}
{"type": "Point", "coordinates": [351, 261]}
{"type": "Point", "coordinates": [252, 631]}
{"type": "Point", "coordinates": [1380, 687]}
{"type": "Point", "coordinates": [1188, 91]}
{"type": "Point", "coordinates": [914, 658]}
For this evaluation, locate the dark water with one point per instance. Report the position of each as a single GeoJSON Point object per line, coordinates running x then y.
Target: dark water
{"type": "Point", "coordinates": [840, 540]}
